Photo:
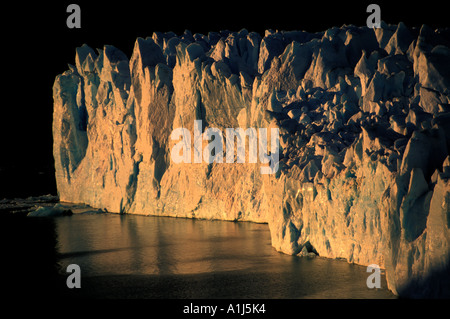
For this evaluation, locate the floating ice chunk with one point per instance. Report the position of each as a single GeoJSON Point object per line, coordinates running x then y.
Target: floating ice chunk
{"type": "Point", "coordinates": [49, 211]}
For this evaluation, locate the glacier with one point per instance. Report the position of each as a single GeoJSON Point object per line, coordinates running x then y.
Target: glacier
{"type": "Point", "coordinates": [364, 122]}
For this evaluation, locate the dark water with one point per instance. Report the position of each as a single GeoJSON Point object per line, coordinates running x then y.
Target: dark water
{"type": "Point", "coordinates": [128, 256]}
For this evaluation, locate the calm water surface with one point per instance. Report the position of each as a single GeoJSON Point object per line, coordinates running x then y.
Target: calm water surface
{"type": "Point", "coordinates": [129, 256]}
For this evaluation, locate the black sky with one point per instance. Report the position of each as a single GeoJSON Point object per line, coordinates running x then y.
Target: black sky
{"type": "Point", "coordinates": [37, 46]}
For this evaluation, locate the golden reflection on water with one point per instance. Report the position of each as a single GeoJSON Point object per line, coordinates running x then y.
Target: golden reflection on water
{"type": "Point", "coordinates": [128, 244]}
{"type": "Point", "coordinates": [169, 256]}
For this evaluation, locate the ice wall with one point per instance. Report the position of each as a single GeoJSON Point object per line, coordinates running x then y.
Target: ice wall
{"type": "Point", "coordinates": [364, 122]}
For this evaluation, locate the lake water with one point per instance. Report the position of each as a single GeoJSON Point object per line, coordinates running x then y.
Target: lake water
{"type": "Point", "coordinates": [131, 256]}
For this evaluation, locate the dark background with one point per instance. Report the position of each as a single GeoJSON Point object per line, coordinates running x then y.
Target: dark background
{"type": "Point", "coordinates": [37, 46]}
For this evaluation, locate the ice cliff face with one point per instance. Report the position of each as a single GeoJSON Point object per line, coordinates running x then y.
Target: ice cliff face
{"type": "Point", "coordinates": [364, 122]}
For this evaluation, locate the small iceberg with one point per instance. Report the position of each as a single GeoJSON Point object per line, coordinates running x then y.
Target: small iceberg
{"type": "Point", "coordinates": [49, 211]}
